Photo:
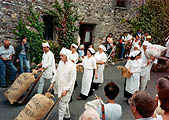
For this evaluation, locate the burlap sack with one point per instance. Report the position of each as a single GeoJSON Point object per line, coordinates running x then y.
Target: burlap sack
{"type": "Point", "coordinates": [124, 71]}
{"type": "Point", "coordinates": [21, 84]}
{"type": "Point", "coordinates": [155, 50]}
{"type": "Point", "coordinates": [36, 108]}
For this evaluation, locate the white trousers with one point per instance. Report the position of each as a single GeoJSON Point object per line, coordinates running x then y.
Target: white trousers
{"type": "Point", "coordinates": [133, 83]}
{"type": "Point", "coordinates": [86, 81]}
{"type": "Point", "coordinates": [100, 71]}
{"type": "Point", "coordinates": [64, 106]}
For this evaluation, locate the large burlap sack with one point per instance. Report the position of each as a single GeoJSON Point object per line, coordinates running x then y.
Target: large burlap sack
{"type": "Point", "coordinates": [36, 108]}
{"type": "Point", "coordinates": [21, 84]}
{"type": "Point", "coordinates": [124, 71]}
{"type": "Point", "coordinates": [155, 50]}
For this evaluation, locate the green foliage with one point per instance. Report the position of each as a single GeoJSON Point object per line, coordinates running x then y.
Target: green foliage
{"type": "Point", "coordinates": [33, 29]}
{"type": "Point", "coordinates": [152, 18]}
{"type": "Point", "coordinates": [65, 18]}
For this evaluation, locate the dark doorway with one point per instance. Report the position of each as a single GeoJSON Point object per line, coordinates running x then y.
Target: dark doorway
{"type": "Point", "coordinates": [86, 34]}
{"type": "Point", "coordinates": [48, 29]}
{"type": "Point", "coordinates": [122, 3]}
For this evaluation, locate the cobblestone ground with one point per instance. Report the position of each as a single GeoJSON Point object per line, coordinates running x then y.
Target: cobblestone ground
{"type": "Point", "coordinates": [9, 112]}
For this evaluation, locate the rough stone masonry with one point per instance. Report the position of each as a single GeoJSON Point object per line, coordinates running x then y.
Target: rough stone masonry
{"type": "Point", "coordinates": [106, 14]}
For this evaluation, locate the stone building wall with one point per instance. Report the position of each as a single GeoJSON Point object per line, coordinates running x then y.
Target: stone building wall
{"type": "Point", "coordinates": [104, 13]}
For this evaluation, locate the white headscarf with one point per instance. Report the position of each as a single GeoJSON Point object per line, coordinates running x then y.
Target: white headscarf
{"type": "Point", "coordinates": [45, 44]}
{"type": "Point", "coordinates": [74, 45]}
{"type": "Point", "coordinates": [65, 52]}
{"type": "Point", "coordinates": [102, 47]}
{"type": "Point", "coordinates": [92, 50]}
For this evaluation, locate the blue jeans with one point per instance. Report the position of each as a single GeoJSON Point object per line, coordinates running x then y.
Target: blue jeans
{"type": "Point", "coordinates": [12, 71]}
{"type": "Point", "coordinates": [122, 51]}
{"type": "Point", "coordinates": [23, 60]}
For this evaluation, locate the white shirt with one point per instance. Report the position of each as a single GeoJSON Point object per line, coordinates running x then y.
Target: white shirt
{"type": "Point", "coordinates": [89, 63]}
{"type": "Point", "coordinates": [65, 76]}
{"type": "Point", "coordinates": [167, 45]}
{"type": "Point", "coordinates": [6, 53]}
{"type": "Point", "coordinates": [74, 57]}
{"type": "Point", "coordinates": [48, 61]}
{"type": "Point", "coordinates": [100, 57]}
{"type": "Point", "coordinates": [128, 37]}
{"type": "Point", "coordinates": [112, 111]}
{"type": "Point", "coordinates": [134, 66]}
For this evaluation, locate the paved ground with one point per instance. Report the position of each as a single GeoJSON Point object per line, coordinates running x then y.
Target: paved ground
{"type": "Point", "coordinates": [9, 112]}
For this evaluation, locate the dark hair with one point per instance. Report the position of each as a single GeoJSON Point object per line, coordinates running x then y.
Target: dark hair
{"type": "Point", "coordinates": [144, 103]}
{"type": "Point", "coordinates": [111, 90]}
{"type": "Point", "coordinates": [164, 98]}
{"type": "Point", "coordinates": [163, 83]}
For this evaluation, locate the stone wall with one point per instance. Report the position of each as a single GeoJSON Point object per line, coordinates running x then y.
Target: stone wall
{"type": "Point", "coordinates": [104, 13]}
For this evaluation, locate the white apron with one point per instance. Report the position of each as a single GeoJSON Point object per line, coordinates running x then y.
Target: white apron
{"type": "Point", "coordinates": [133, 83]}
{"type": "Point", "coordinates": [86, 81]}
{"type": "Point", "coordinates": [100, 71]}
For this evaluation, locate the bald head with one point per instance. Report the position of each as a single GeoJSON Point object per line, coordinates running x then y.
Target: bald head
{"type": "Point", "coordinates": [6, 44]}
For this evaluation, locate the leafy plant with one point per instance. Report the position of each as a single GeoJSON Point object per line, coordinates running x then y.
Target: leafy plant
{"type": "Point", "coordinates": [65, 18]}
{"type": "Point", "coordinates": [153, 18]}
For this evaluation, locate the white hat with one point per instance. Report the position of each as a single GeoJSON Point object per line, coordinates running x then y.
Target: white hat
{"type": "Point", "coordinates": [65, 52]}
{"type": "Point", "coordinates": [81, 46]}
{"type": "Point", "coordinates": [102, 47]}
{"type": "Point", "coordinates": [134, 53]}
{"type": "Point", "coordinates": [45, 44]}
{"type": "Point", "coordinates": [91, 50]}
{"type": "Point", "coordinates": [149, 37]}
{"type": "Point", "coordinates": [74, 45]}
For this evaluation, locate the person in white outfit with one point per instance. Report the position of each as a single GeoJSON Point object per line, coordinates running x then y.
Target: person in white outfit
{"type": "Point", "coordinates": [63, 83]}
{"type": "Point", "coordinates": [48, 63]}
{"type": "Point", "coordinates": [89, 64]}
{"type": "Point", "coordinates": [101, 59]}
{"type": "Point", "coordinates": [74, 55]}
{"type": "Point", "coordinates": [134, 66]}
{"type": "Point", "coordinates": [167, 45]}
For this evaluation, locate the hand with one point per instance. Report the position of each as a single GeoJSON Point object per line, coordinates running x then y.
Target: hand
{"type": "Point", "coordinates": [96, 75]}
{"type": "Point", "coordinates": [40, 69]}
{"type": "Point", "coordinates": [17, 60]}
{"type": "Point", "coordinates": [39, 65]}
{"type": "Point", "coordinates": [64, 93]}
{"type": "Point", "coordinates": [51, 86]}
{"type": "Point", "coordinates": [10, 57]}
{"type": "Point", "coordinates": [4, 58]}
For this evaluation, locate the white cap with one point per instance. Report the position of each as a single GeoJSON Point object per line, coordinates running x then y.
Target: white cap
{"type": "Point", "coordinates": [74, 45]}
{"type": "Point", "coordinates": [134, 53]}
{"type": "Point", "coordinates": [45, 44]}
{"type": "Point", "coordinates": [65, 52]}
{"type": "Point", "coordinates": [102, 47]}
{"type": "Point", "coordinates": [92, 50]}
{"type": "Point", "coordinates": [81, 46]}
{"type": "Point", "coordinates": [148, 37]}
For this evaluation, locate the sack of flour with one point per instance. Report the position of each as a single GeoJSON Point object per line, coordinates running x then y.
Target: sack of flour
{"type": "Point", "coordinates": [36, 108]}
{"type": "Point", "coordinates": [124, 71]}
{"type": "Point", "coordinates": [155, 50]}
{"type": "Point", "coordinates": [20, 85]}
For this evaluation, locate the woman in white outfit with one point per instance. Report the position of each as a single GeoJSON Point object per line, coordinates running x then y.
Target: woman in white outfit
{"type": "Point", "coordinates": [74, 55]}
{"type": "Point", "coordinates": [134, 66]}
{"type": "Point", "coordinates": [89, 64]}
{"type": "Point", "coordinates": [101, 59]}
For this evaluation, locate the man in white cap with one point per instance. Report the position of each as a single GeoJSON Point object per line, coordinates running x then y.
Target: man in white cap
{"type": "Point", "coordinates": [63, 83]}
{"type": "Point", "coordinates": [101, 59]}
{"type": "Point", "coordinates": [48, 63]}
